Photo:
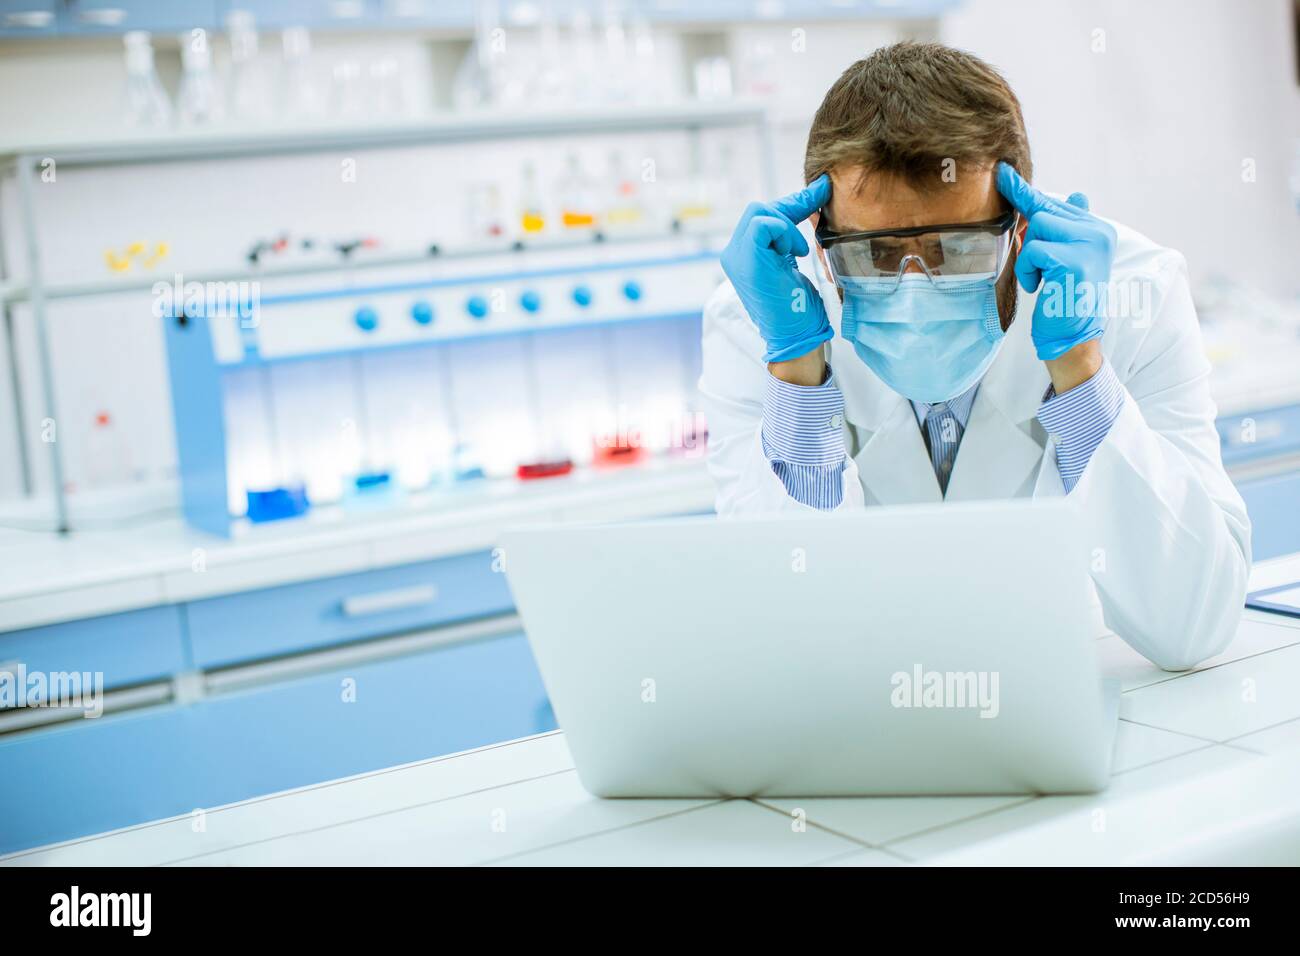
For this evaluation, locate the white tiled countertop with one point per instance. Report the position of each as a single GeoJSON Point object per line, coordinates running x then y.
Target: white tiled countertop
{"type": "Point", "coordinates": [47, 578]}
{"type": "Point", "coordinates": [1207, 769]}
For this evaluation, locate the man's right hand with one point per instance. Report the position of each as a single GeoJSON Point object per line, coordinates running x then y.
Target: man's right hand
{"type": "Point", "coordinates": [760, 262]}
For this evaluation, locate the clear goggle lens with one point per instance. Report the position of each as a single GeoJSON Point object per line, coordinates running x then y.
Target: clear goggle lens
{"type": "Point", "coordinates": [961, 252]}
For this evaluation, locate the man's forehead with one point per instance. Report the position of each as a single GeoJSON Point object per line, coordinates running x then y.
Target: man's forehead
{"type": "Point", "coordinates": [862, 200]}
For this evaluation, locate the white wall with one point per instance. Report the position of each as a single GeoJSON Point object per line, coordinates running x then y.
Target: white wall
{"type": "Point", "coordinates": [1155, 129]}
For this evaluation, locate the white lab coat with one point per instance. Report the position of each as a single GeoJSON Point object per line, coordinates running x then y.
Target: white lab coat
{"type": "Point", "coordinates": [1171, 539]}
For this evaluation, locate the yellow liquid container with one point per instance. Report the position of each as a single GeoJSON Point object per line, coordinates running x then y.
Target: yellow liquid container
{"type": "Point", "coordinates": [532, 222]}
{"type": "Point", "coordinates": [624, 215]}
{"type": "Point", "coordinates": [694, 210]}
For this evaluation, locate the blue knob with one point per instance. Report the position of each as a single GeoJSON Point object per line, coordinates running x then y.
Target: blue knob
{"type": "Point", "coordinates": [422, 313]}
{"type": "Point", "coordinates": [632, 289]}
{"type": "Point", "coordinates": [582, 295]}
{"type": "Point", "coordinates": [367, 319]}
{"type": "Point", "coordinates": [531, 301]}
{"type": "Point", "coordinates": [477, 306]}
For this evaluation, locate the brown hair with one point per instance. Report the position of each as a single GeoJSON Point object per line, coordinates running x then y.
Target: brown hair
{"type": "Point", "coordinates": [907, 108]}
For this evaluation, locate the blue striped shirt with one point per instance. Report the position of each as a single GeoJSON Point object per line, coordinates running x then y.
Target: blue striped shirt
{"type": "Point", "coordinates": [803, 432]}
{"type": "Point", "coordinates": [803, 438]}
{"type": "Point", "coordinates": [1080, 419]}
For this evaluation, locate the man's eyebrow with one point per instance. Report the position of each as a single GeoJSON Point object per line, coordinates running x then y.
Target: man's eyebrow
{"type": "Point", "coordinates": [836, 231]}
{"type": "Point", "coordinates": [963, 222]}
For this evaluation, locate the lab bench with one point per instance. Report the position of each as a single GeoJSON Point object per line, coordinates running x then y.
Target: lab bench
{"type": "Point", "coordinates": [246, 644]}
{"type": "Point", "coordinates": [285, 656]}
{"type": "Point", "coordinates": [1203, 774]}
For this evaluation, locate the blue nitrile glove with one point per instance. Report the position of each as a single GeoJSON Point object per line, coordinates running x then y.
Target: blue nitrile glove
{"type": "Point", "coordinates": [760, 262]}
{"type": "Point", "coordinates": [1069, 251]}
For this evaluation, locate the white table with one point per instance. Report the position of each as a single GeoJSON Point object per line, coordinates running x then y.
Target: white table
{"type": "Point", "coordinates": [1207, 769]}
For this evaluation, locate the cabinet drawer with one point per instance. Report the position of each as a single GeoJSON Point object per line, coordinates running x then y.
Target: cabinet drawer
{"type": "Point", "coordinates": [1274, 517]}
{"type": "Point", "coordinates": [1267, 433]}
{"type": "Point", "coordinates": [128, 648]}
{"type": "Point", "coordinates": [295, 617]}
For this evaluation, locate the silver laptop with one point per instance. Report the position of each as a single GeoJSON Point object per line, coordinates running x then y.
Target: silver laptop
{"type": "Point", "coordinates": [929, 649]}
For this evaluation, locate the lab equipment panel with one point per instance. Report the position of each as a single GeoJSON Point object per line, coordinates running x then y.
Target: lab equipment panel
{"type": "Point", "coordinates": [491, 304]}
{"type": "Point", "coordinates": [416, 378]}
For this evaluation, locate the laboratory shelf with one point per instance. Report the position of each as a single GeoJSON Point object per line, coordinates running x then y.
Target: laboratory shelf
{"type": "Point", "coordinates": [176, 146]}
{"type": "Point", "coordinates": [202, 448]}
{"type": "Point", "coordinates": [708, 237]}
{"type": "Point", "coordinates": [125, 769]}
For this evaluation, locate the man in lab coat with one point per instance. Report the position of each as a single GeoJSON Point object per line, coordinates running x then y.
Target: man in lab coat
{"type": "Point", "coordinates": [1062, 356]}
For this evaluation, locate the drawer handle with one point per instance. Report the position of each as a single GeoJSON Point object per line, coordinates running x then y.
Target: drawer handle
{"type": "Point", "coordinates": [103, 16]}
{"type": "Point", "coordinates": [381, 602]}
{"type": "Point", "coordinates": [29, 19]}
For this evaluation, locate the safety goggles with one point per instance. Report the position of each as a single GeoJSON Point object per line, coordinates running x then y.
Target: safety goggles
{"type": "Point", "coordinates": [961, 250]}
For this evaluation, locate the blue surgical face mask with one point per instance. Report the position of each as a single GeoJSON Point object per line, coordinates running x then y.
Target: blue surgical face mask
{"type": "Point", "coordinates": [929, 339]}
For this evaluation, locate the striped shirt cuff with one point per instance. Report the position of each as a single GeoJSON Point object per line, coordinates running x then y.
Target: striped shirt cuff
{"type": "Point", "coordinates": [803, 438]}
{"type": "Point", "coordinates": [1080, 419]}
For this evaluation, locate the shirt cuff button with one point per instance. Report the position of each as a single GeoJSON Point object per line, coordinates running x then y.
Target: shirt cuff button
{"type": "Point", "coordinates": [836, 420]}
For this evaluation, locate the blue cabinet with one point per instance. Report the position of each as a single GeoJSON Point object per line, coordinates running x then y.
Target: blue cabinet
{"type": "Point", "coordinates": [129, 648]}
{"type": "Point", "coordinates": [115, 771]}
{"type": "Point", "coordinates": [119, 16]}
{"type": "Point", "coordinates": [20, 18]}
{"type": "Point", "coordinates": [28, 18]}
{"type": "Point", "coordinates": [297, 617]}
{"type": "Point", "coordinates": [1273, 504]}
{"type": "Point", "coordinates": [167, 760]}
{"type": "Point", "coordinates": [1259, 435]}
{"type": "Point", "coordinates": [314, 14]}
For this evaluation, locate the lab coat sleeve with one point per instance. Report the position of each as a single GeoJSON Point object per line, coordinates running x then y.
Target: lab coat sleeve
{"type": "Point", "coordinates": [1170, 538]}
{"type": "Point", "coordinates": [732, 387]}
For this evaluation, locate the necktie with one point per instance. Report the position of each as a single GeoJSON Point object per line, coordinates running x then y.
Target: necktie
{"type": "Point", "coordinates": [943, 436]}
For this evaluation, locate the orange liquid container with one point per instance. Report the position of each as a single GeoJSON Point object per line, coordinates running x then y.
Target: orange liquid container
{"type": "Point", "coordinates": [616, 453]}
{"type": "Point", "coordinates": [577, 220]}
